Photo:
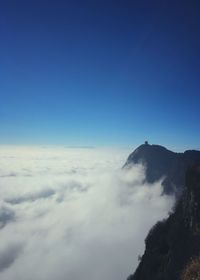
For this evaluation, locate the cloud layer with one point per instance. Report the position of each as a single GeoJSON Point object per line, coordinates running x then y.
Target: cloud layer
{"type": "Point", "coordinates": [73, 213]}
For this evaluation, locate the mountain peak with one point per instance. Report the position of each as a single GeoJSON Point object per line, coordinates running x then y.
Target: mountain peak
{"type": "Point", "coordinates": [163, 163]}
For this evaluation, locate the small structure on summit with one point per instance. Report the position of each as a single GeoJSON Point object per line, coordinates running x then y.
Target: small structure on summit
{"type": "Point", "coordinates": [146, 143]}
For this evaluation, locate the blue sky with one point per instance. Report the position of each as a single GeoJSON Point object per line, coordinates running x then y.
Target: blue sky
{"type": "Point", "coordinates": [100, 72]}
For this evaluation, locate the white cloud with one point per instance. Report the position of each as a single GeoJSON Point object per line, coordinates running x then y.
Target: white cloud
{"type": "Point", "coordinates": [75, 213]}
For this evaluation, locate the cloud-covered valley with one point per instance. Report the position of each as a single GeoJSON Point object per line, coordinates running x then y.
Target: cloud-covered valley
{"type": "Point", "coordinates": [73, 214]}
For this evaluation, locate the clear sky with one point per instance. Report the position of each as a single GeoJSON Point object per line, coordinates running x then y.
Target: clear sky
{"type": "Point", "coordinates": [100, 72]}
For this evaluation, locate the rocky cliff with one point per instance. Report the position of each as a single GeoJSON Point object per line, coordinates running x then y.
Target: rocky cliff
{"type": "Point", "coordinates": [163, 163]}
{"type": "Point", "coordinates": [172, 243]}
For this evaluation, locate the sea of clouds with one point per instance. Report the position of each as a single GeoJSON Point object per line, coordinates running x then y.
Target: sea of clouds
{"type": "Point", "coordinates": [73, 214]}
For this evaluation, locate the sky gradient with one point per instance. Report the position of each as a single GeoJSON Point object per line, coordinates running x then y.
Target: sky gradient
{"type": "Point", "coordinates": [100, 72]}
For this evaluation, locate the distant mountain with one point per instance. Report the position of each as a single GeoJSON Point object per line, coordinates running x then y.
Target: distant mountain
{"type": "Point", "coordinates": [161, 162]}
{"type": "Point", "coordinates": [172, 243]}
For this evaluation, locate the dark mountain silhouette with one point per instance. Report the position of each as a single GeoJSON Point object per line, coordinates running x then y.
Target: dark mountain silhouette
{"type": "Point", "coordinates": [163, 163]}
{"type": "Point", "coordinates": [170, 244]}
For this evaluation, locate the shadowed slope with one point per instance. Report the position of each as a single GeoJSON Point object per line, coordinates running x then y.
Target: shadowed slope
{"type": "Point", "coordinates": [163, 163]}
{"type": "Point", "coordinates": [171, 243]}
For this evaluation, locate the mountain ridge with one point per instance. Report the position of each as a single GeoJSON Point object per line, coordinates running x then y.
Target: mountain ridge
{"type": "Point", "coordinates": [163, 163]}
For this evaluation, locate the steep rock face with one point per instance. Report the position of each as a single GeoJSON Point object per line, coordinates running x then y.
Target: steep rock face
{"type": "Point", "coordinates": [171, 243]}
{"type": "Point", "coordinates": [161, 162]}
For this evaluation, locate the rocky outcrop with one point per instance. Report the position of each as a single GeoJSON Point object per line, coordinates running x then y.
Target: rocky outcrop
{"type": "Point", "coordinates": [163, 163]}
{"type": "Point", "coordinates": [173, 242]}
